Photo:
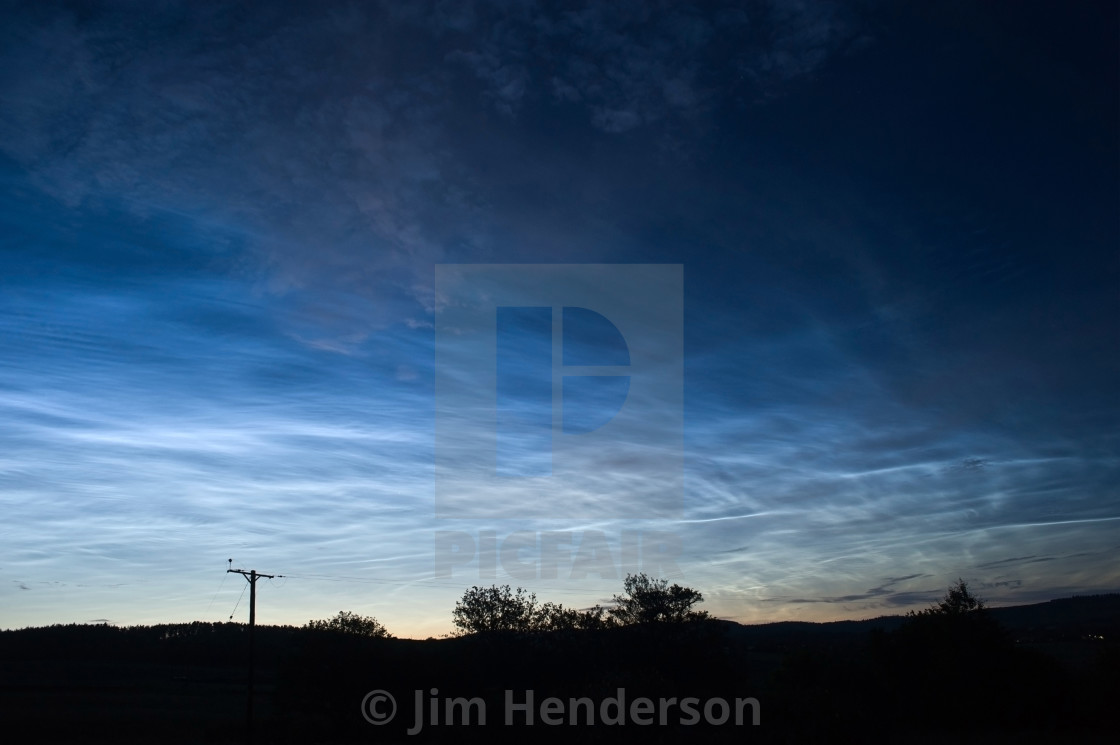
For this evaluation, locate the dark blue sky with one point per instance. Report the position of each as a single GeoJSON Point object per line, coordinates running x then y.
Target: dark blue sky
{"type": "Point", "coordinates": [219, 234]}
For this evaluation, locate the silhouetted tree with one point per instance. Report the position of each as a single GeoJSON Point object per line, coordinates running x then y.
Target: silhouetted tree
{"type": "Point", "coordinates": [952, 655]}
{"type": "Point", "coordinates": [351, 623]}
{"type": "Point", "coordinates": [648, 600]}
{"type": "Point", "coordinates": [555, 617]}
{"type": "Point", "coordinates": [503, 609]}
{"type": "Point", "coordinates": [959, 622]}
{"type": "Point", "coordinates": [495, 609]}
{"type": "Point", "coordinates": [958, 601]}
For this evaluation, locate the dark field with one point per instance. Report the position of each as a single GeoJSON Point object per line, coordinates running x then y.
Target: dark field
{"type": "Point", "coordinates": [1045, 676]}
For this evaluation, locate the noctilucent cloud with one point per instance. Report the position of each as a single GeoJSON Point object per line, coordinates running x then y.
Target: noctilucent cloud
{"type": "Point", "coordinates": [219, 235]}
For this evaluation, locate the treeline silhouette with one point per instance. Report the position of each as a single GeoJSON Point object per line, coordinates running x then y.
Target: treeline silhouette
{"type": "Point", "coordinates": [953, 673]}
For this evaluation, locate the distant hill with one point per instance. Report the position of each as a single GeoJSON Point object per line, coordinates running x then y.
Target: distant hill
{"type": "Point", "coordinates": [1066, 619]}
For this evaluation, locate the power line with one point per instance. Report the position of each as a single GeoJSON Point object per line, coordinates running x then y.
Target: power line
{"type": "Point", "coordinates": [238, 603]}
{"type": "Point", "coordinates": [220, 586]}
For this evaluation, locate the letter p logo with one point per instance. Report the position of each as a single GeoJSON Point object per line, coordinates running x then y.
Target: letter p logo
{"type": "Point", "coordinates": [559, 390]}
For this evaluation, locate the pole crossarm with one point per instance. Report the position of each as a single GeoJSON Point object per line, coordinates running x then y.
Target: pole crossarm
{"type": "Point", "coordinates": [247, 573]}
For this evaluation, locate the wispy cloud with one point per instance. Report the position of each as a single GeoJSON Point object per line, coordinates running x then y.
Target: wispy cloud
{"type": "Point", "coordinates": [217, 302]}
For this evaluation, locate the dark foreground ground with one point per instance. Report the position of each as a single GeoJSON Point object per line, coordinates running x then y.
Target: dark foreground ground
{"type": "Point", "coordinates": [1032, 674]}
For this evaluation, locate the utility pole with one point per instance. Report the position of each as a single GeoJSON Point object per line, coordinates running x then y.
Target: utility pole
{"type": "Point", "coordinates": [251, 577]}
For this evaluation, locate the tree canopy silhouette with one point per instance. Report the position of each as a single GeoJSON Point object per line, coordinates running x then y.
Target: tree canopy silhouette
{"type": "Point", "coordinates": [495, 609]}
{"type": "Point", "coordinates": [960, 620]}
{"type": "Point", "coordinates": [645, 600]}
{"type": "Point", "coordinates": [351, 623]}
{"type": "Point", "coordinates": [484, 609]}
{"type": "Point", "coordinates": [957, 601]}
{"type": "Point", "coordinates": [648, 600]}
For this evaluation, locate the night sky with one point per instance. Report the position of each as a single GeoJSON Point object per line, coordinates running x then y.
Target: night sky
{"type": "Point", "coordinates": [220, 229]}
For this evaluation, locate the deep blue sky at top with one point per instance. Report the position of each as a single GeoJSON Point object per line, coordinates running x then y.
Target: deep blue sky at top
{"type": "Point", "coordinates": [219, 227]}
